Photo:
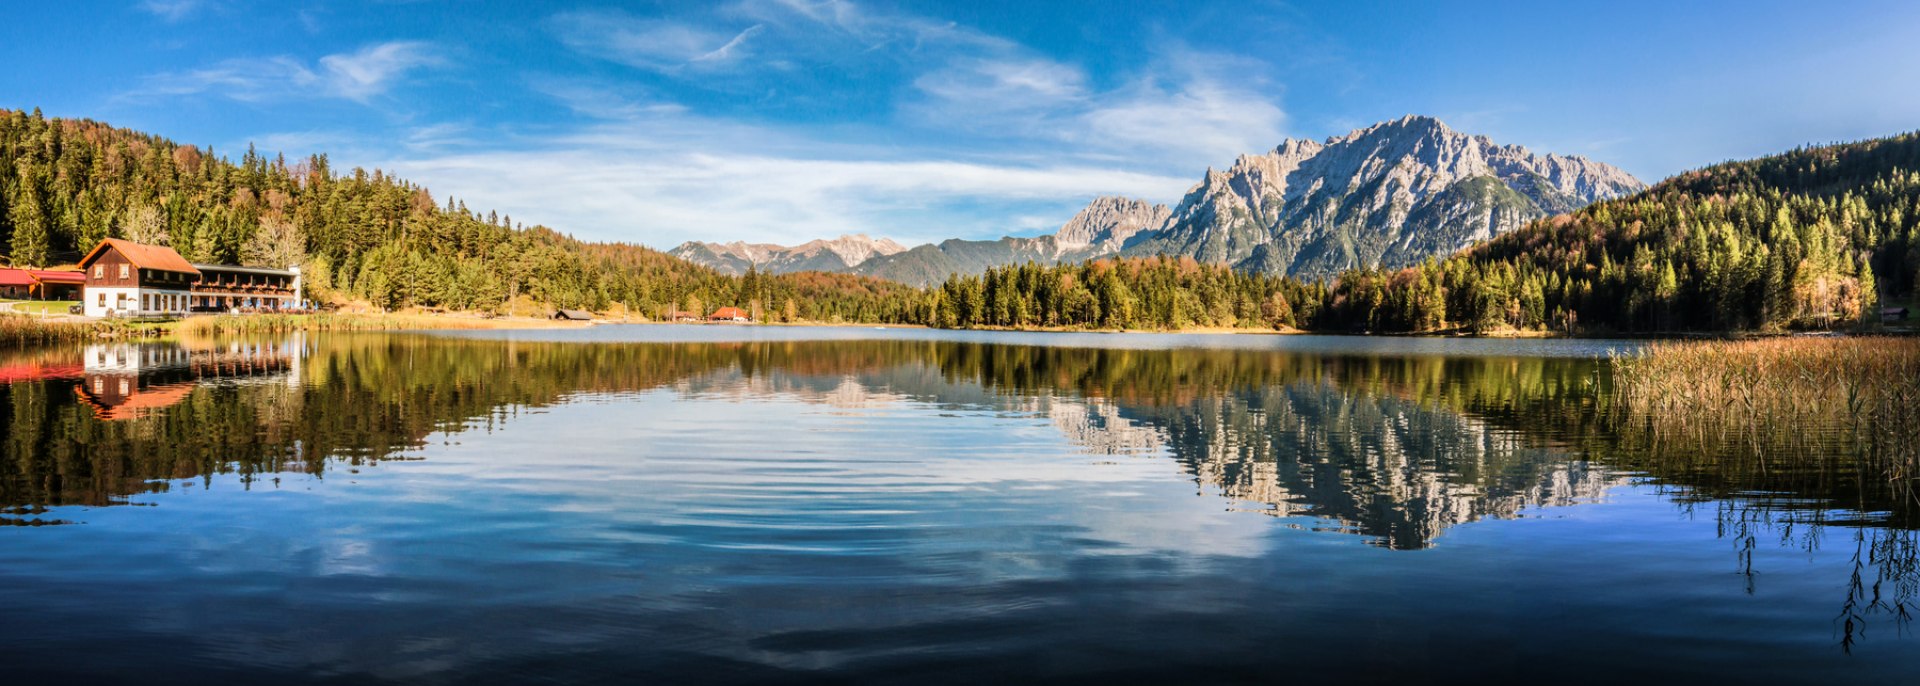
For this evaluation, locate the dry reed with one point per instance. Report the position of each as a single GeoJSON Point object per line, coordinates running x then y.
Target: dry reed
{"type": "Point", "coordinates": [281, 323]}
{"type": "Point", "coordinates": [1782, 396]}
{"type": "Point", "coordinates": [22, 331]}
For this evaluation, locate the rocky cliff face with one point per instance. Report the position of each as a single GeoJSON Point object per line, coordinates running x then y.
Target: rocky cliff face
{"type": "Point", "coordinates": [1107, 222]}
{"type": "Point", "coordinates": [1390, 194]}
{"type": "Point", "coordinates": [826, 255]}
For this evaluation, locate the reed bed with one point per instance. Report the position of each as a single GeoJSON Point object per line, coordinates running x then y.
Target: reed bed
{"type": "Point", "coordinates": [24, 331]}
{"type": "Point", "coordinates": [1782, 397]}
{"type": "Point", "coordinates": [282, 323]}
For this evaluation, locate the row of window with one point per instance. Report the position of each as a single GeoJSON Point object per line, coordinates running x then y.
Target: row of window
{"type": "Point", "coordinates": [165, 302]}
{"type": "Point", "coordinates": [151, 276]}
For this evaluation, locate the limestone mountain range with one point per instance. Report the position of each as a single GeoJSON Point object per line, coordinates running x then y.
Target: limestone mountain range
{"type": "Point", "coordinates": [1391, 194]}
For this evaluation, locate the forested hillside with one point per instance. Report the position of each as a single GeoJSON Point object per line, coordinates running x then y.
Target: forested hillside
{"type": "Point", "coordinates": [359, 235]}
{"type": "Point", "coordinates": [1813, 238]}
{"type": "Point", "coordinates": [1125, 293]}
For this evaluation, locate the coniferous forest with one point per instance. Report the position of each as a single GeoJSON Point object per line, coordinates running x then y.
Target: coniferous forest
{"type": "Point", "coordinates": [358, 234]}
{"type": "Point", "coordinates": [1814, 238]}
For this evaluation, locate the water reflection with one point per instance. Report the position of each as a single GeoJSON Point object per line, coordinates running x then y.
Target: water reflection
{"type": "Point", "coordinates": [129, 380]}
{"type": "Point", "coordinates": [1397, 450]}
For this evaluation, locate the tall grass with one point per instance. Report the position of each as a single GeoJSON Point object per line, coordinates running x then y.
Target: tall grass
{"type": "Point", "coordinates": [281, 323]}
{"type": "Point", "coordinates": [1782, 397]}
{"type": "Point", "coordinates": [22, 331]}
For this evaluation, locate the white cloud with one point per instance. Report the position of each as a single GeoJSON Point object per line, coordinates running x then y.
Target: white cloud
{"type": "Point", "coordinates": [669, 180]}
{"type": "Point", "coordinates": [172, 10]}
{"type": "Point", "coordinates": [1187, 110]}
{"type": "Point", "coordinates": [1005, 85]}
{"type": "Point", "coordinates": [358, 75]}
{"type": "Point", "coordinates": [1199, 119]}
{"type": "Point", "coordinates": [658, 44]}
{"type": "Point", "coordinates": [988, 138]}
{"type": "Point", "coordinates": [372, 70]}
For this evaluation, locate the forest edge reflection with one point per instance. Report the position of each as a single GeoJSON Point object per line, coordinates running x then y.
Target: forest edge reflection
{"type": "Point", "coordinates": [1395, 449]}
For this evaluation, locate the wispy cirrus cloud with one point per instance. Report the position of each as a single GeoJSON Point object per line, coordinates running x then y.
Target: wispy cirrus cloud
{"type": "Point", "coordinates": [173, 10]}
{"type": "Point", "coordinates": [358, 75]}
{"type": "Point", "coordinates": [658, 44]}
{"type": "Point", "coordinates": [981, 137]}
{"type": "Point", "coordinates": [1186, 109]}
{"type": "Point", "coordinates": [661, 175]}
{"type": "Point", "coordinates": [665, 198]}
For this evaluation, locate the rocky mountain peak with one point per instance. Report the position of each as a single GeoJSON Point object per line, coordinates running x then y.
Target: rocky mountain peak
{"type": "Point", "coordinates": [1390, 193]}
{"type": "Point", "coordinates": [1109, 220]}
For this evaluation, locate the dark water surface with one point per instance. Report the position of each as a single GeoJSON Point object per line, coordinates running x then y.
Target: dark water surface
{"type": "Point", "coordinates": [770, 505]}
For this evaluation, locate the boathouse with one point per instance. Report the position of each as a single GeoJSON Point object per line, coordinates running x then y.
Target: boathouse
{"type": "Point", "coordinates": [125, 279]}
{"type": "Point", "coordinates": [573, 315]}
{"type": "Point", "coordinates": [1890, 315]}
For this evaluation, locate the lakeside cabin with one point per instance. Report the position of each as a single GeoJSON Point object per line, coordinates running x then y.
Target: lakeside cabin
{"type": "Point", "coordinates": [729, 314]}
{"type": "Point", "coordinates": [1889, 315]}
{"type": "Point", "coordinates": [128, 279]}
{"type": "Point", "coordinates": [572, 315]}
{"type": "Point", "coordinates": [41, 284]}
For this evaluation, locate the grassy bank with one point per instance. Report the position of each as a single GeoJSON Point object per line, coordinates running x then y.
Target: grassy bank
{"type": "Point", "coordinates": [39, 306]}
{"type": "Point", "coordinates": [279, 323]}
{"type": "Point", "coordinates": [1781, 396]}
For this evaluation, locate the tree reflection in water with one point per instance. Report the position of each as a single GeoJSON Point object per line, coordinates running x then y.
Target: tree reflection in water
{"type": "Point", "coordinates": [1395, 449]}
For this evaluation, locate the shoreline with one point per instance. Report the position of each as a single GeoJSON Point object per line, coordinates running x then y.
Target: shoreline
{"type": "Point", "coordinates": [77, 328]}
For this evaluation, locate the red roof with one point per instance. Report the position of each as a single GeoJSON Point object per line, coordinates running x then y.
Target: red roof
{"type": "Point", "coordinates": [139, 403]}
{"type": "Point", "coordinates": [15, 277]}
{"type": "Point", "coordinates": [729, 313]}
{"type": "Point", "coordinates": [33, 371]}
{"type": "Point", "coordinates": [51, 276]}
{"type": "Point", "coordinates": [156, 257]}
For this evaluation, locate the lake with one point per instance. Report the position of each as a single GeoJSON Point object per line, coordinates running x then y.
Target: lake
{"type": "Point", "coordinates": [719, 504]}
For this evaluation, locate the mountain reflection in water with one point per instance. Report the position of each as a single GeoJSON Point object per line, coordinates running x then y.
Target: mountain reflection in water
{"type": "Point", "coordinates": [1349, 441]}
{"type": "Point", "coordinates": [1394, 449]}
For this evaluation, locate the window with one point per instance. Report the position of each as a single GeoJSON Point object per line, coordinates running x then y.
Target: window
{"type": "Point", "coordinates": [99, 271]}
{"type": "Point", "coordinates": [103, 298]}
{"type": "Point", "coordinates": [123, 271]}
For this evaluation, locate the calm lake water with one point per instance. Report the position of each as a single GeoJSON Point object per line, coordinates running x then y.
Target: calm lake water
{"type": "Point", "coordinates": [768, 505]}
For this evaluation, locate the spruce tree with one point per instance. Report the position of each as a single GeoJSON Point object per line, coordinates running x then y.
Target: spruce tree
{"type": "Point", "coordinates": [29, 246]}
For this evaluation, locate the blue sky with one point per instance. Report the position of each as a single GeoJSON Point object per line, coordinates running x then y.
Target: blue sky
{"type": "Point", "coordinates": [786, 120]}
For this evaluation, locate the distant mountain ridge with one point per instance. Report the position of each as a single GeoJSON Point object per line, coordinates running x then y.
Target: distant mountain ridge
{"type": "Point", "coordinates": [1389, 195]}
{"type": "Point", "coordinates": [825, 255]}
{"type": "Point", "coordinates": [1102, 228]}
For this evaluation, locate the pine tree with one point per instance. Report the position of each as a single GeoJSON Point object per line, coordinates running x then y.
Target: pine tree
{"type": "Point", "coordinates": [29, 246]}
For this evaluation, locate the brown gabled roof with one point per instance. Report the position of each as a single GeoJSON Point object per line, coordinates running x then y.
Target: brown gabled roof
{"type": "Point", "coordinates": [156, 257]}
{"type": "Point", "coordinates": [729, 313]}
